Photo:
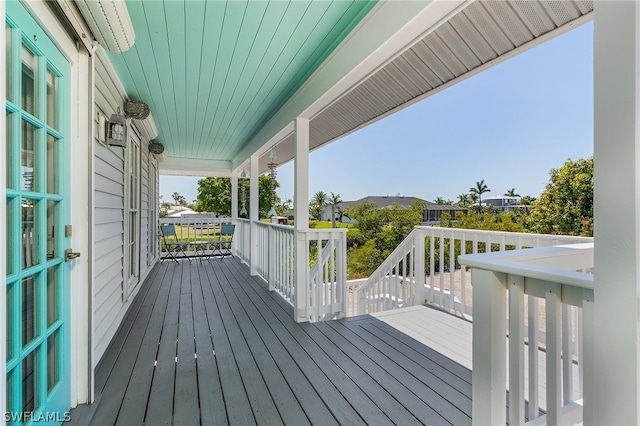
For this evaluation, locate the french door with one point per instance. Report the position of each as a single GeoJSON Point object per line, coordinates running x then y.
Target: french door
{"type": "Point", "coordinates": [37, 176]}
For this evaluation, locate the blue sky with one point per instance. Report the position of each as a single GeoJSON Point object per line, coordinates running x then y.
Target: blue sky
{"type": "Point", "coordinates": [508, 125]}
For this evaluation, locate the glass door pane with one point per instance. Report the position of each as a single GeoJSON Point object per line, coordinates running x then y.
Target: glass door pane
{"type": "Point", "coordinates": [8, 71]}
{"type": "Point", "coordinates": [28, 170]}
{"type": "Point", "coordinates": [52, 99]}
{"type": "Point", "coordinates": [29, 81]}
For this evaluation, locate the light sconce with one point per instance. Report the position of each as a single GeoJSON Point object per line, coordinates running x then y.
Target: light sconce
{"type": "Point", "coordinates": [117, 130]}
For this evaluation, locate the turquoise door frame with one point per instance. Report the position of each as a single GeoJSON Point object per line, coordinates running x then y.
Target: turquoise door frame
{"type": "Point", "coordinates": [37, 206]}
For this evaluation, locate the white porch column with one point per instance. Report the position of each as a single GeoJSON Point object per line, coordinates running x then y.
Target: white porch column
{"type": "Point", "coordinates": [301, 213]}
{"type": "Point", "coordinates": [234, 208]}
{"type": "Point", "coordinates": [614, 393]}
{"type": "Point", "coordinates": [234, 196]}
{"type": "Point", "coordinates": [489, 348]}
{"type": "Point", "coordinates": [301, 174]}
{"type": "Point", "coordinates": [254, 205]}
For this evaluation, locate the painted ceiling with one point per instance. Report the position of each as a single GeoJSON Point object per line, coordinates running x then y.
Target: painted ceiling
{"type": "Point", "coordinates": [214, 72]}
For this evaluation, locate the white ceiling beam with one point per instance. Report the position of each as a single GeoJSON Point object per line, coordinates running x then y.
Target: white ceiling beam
{"type": "Point", "coordinates": [387, 31]}
{"type": "Point", "coordinates": [194, 167]}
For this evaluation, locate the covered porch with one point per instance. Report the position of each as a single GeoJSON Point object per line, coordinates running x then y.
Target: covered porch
{"type": "Point", "coordinates": [205, 342]}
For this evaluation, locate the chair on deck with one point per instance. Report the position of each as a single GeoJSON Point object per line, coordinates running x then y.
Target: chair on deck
{"type": "Point", "coordinates": [222, 244]}
{"type": "Point", "coordinates": [173, 247]}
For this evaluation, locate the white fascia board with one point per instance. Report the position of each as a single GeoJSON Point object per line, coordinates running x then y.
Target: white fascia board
{"type": "Point", "coordinates": [110, 23]}
{"type": "Point", "coordinates": [78, 23]}
{"type": "Point", "coordinates": [386, 32]}
{"type": "Point", "coordinates": [194, 167]}
{"type": "Point", "coordinates": [147, 127]}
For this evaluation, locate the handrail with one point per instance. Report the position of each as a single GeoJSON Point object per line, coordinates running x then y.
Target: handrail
{"type": "Point", "coordinates": [395, 283]}
{"type": "Point", "coordinates": [283, 260]}
{"type": "Point", "coordinates": [559, 278]}
{"type": "Point", "coordinates": [326, 281]}
{"type": "Point", "coordinates": [242, 240]}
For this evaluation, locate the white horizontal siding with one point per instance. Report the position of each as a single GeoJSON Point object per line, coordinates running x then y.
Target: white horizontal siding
{"type": "Point", "coordinates": [110, 221]}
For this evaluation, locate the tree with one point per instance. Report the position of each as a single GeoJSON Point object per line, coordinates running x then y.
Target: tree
{"type": "Point", "coordinates": [179, 199]}
{"type": "Point", "coordinates": [464, 200]}
{"type": "Point", "coordinates": [566, 205]}
{"type": "Point", "coordinates": [479, 189]}
{"type": "Point", "coordinates": [382, 230]}
{"type": "Point", "coordinates": [214, 195]}
{"type": "Point", "coordinates": [442, 202]}
{"type": "Point", "coordinates": [511, 193]}
{"type": "Point", "coordinates": [527, 200]}
{"type": "Point", "coordinates": [334, 200]}
{"type": "Point", "coordinates": [317, 204]}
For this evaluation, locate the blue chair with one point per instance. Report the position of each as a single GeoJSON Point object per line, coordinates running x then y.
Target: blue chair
{"type": "Point", "coordinates": [222, 244]}
{"type": "Point", "coordinates": [173, 247]}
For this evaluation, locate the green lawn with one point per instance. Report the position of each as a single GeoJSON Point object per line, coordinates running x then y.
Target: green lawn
{"type": "Point", "coordinates": [324, 225]}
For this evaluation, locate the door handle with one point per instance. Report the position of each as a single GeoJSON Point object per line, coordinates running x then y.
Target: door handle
{"type": "Point", "coordinates": [70, 255]}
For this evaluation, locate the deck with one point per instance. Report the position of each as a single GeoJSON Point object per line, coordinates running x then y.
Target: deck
{"type": "Point", "coordinates": [206, 343]}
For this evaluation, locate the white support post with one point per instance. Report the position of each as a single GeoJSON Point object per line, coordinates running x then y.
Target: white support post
{"type": "Point", "coordinates": [234, 209]}
{"type": "Point", "coordinates": [516, 350]}
{"type": "Point", "coordinates": [590, 385]}
{"type": "Point", "coordinates": [301, 212]}
{"type": "Point", "coordinates": [254, 216]}
{"type": "Point", "coordinates": [489, 373]}
{"type": "Point", "coordinates": [553, 317]}
{"type": "Point", "coordinates": [419, 265]}
{"type": "Point", "coordinates": [616, 400]}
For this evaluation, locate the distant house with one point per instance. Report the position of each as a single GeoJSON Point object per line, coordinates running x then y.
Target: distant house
{"type": "Point", "coordinates": [504, 203]}
{"type": "Point", "coordinates": [431, 214]}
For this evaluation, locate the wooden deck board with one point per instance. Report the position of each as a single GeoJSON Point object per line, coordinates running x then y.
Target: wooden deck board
{"type": "Point", "coordinates": [124, 360]}
{"type": "Point", "coordinates": [321, 385]}
{"type": "Point", "coordinates": [186, 410]}
{"type": "Point", "coordinates": [160, 400]}
{"type": "Point", "coordinates": [209, 385]}
{"type": "Point", "coordinates": [242, 359]}
{"type": "Point", "coordinates": [140, 382]}
{"type": "Point", "coordinates": [236, 400]}
{"type": "Point", "coordinates": [439, 395]}
{"type": "Point", "coordinates": [258, 392]}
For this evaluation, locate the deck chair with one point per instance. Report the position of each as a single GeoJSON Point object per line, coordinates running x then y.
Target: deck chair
{"type": "Point", "coordinates": [173, 246]}
{"type": "Point", "coordinates": [222, 244]}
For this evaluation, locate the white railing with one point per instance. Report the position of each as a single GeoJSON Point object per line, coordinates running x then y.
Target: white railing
{"type": "Point", "coordinates": [425, 268]}
{"type": "Point", "coordinates": [276, 257]}
{"type": "Point", "coordinates": [556, 287]}
{"type": "Point", "coordinates": [241, 245]}
{"type": "Point", "coordinates": [326, 281]}
{"type": "Point", "coordinates": [195, 227]}
{"type": "Point", "coordinates": [309, 271]}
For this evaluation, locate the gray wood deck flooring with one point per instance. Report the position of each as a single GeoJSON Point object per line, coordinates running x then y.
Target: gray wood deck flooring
{"type": "Point", "coordinates": [206, 343]}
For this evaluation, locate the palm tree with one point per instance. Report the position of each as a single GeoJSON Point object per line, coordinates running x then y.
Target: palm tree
{"type": "Point", "coordinates": [320, 198]}
{"type": "Point", "coordinates": [334, 200]}
{"type": "Point", "coordinates": [511, 193]}
{"type": "Point", "coordinates": [442, 202]}
{"type": "Point", "coordinates": [317, 204]}
{"type": "Point", "coordinates": [463, 200]}
{"type": "Point", "coordinates": [479, 189]}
